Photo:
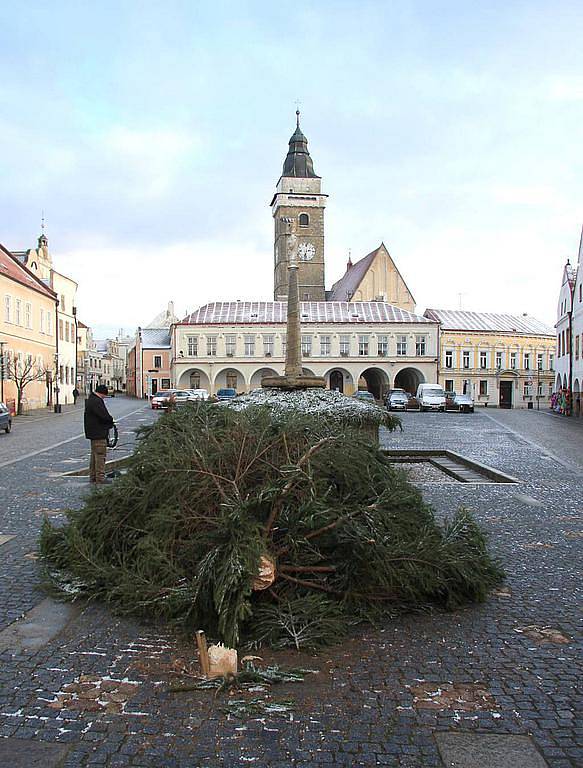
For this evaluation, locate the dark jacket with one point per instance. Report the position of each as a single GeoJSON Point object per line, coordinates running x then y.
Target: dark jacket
{"type": "Point", "coordinates": [97, 418]}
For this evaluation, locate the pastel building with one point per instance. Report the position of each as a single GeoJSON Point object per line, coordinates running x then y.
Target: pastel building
{"type": "Point", "coordinates": [501, 360]}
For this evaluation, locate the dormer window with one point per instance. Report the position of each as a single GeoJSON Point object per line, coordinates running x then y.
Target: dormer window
{"type": "Point", "coordinates": [304, 220]}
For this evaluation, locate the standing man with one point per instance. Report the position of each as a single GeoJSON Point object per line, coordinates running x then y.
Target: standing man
{"type": "Point", "coordinates": [98, 422]}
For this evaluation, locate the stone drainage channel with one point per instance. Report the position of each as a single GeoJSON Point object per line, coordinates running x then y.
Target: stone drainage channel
{"type": "Point", "coordinates": [449, 463]}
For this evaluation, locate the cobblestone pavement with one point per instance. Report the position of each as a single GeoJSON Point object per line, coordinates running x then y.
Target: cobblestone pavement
{"type": "Point", "coordinates": [510, 666]}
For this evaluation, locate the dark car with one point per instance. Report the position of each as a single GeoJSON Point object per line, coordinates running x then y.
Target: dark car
{"type": "Point", "coordinates": [450, 403]}
{"type": "Point", "coordinates": [227, 393]}
{"type": "Point", "coordinates": [5, 418]}
{"type": "Point", "coordinates": [364, 394]}
{"type": "Point", "coordinates": [397, 401]}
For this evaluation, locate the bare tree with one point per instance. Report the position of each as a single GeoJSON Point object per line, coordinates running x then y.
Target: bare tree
{"type": "Point", "coordinates": [23, 371]}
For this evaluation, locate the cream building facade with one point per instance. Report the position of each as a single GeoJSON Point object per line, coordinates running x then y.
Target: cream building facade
{"type": "Point", "coordinates": [40, 262]}
{"type": "Point", "coordinates": [501, 360]}
{"type": "Point", "coordinates": [28, 323]}
{"type": "Point", "coordinates": [370, 345]}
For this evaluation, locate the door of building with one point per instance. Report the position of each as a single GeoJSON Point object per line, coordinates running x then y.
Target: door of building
{"type": "Point", "coordinates": [506, 394]}
{"type": "Point", "coordinates": [154, 386]}
{"type": "Point", "coordinates": [337, 381]}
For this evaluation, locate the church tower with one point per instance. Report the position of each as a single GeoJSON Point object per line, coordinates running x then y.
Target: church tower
{"type": "Point", "coordinates": [298, 212]}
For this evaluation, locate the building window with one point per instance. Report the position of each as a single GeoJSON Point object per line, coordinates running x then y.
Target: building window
{"type": "Point", "coordinates": [420, 346]}
{"type": "Point", "coordinates": [157, 361]}
{"type": "Point", "coordinates": [551, 362]}
{"type": "Point", "coordinates": [66, 331]}
{"type": "Point", "coordinates": [232, 379]}
{"type": "Point", "coordinates": [49, 324]}
{"type": "Point", "coordinates": [28, 314]}
{"type": "Point", "coordinates": [165, 384]}
{"type": "Point", "coordinates": [61, 374]}
{"type": "Point", "coordinates": [577, 347]}
{"type": "Point", "coordinates": [526, 361]}
{"type": "Point", "coordinates": [539, 361]}
{"type": "Point", "coordinates": [306, 297]}
{"type": "Point", "coordinates": [540, 389]}
{"type": "Point", "coordinates": [344, 346]}
{"type": "Point", "coordinates": [194, 380]}
{"type": "Point", "coordinates": [325, 346]}
{"type": "Point", "coordinates": [498, 361]}
{"type": "Point", "coordinates": [42, 321]}
{"type": "Point", "coordinates": [192, 347]}
{"type": "Point", "coordinates": [7, 309]}
{"type": "Point", "coordinates": [268, 346]}
{"type": "Point", "coordinates": [449, 358]}
{"type": "Point", "coordinates": [528, 390]}
{"type": "Point", "coordinates": [363, 345]}
{"type": "Point", "coordinates": [483, 361]}
{"type": "Point", "coordinates": [60, 330]}
{"type": "Point", "coordinates": [17, 312]}
{"type": "Point", "coordinates": [307, 346]}
{"type": "Point", "coordinates": [230, 345]}
{"type": "Point", "coordinates": [467, 387]}
{"type": "Point", "coordinates": [465, 359]}
{"type": "Point", "coordinates": [283, 344]}
{"type": "Point", "coordinates": [383, 346]}
{"type": "Point", "coordinates": [483, 387]}
{"type": "Point", "coordinates": [211, 346]}
{"type": "Point", "coordinates": [63, 302]}
{"type": "Point", "coordinates": [249, 346]}
{"type": "Point", "coordinates": [513, 360]}
{"type": "Point", "coordinates": [66, 375]}
{"type": "Point", "coordinates": [449, 385]}
{"type": "Point", "coordinates": [304, 220]}
{"type": "Point", "coordinates": [401, 345]}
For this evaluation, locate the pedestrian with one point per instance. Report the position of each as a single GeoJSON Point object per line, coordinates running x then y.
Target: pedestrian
{"type": "Point", "coordinates": [98, 422]}
{"type": "Point", "coordinates": [75, 395]}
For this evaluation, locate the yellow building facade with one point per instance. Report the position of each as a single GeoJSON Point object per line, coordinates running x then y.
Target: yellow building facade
{"type": "Point", "coordinates": [504, 361]}
{"type": "Point", "coordinates": [27, 332]}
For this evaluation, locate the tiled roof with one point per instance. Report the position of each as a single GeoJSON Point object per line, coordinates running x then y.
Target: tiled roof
{"type": "Point", "coordinates": [344, 288]}
{"type": "Point", "coordinates": [11, 267]}
{"type": "Point", "coordinates": [458, 320]}
{"type": "Point", "coordinates": [155, 338]}
{"type": "Point", "coordinates": [262, 312]}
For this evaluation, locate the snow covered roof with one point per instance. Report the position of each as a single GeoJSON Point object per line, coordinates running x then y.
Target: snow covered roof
{"type": "Point", "coordinates": [155, 338]}
{"type": "Point", "coordinates": [262, 312]}
{"type": "Point", "coordinates": [459, 320]}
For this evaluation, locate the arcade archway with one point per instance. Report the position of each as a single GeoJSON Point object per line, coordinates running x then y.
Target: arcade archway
{"type": "Point", "coordinates": [377, 382]}
{"type": "Point", "coordinates": [408, 379]}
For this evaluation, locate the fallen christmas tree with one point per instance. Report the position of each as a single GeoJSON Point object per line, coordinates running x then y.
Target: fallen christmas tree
{"type": "Point", "coordinates": [282, 529]}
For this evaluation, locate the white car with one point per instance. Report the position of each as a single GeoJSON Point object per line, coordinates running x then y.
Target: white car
{"type": "Point", "coordinates": [431, 397]}
{"type": "Point", "coordinates": [199, 394]}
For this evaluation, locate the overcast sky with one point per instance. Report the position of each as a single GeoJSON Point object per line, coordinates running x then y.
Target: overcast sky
{"type": "Point", "coordinates": [153, 134]}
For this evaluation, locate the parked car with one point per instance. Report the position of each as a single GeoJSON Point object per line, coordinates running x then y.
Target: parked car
{"type": "Point", "coordinates": [160, 399]}
{"type": "Point", "coordinates": [5, 418]}
{"type": "Point", "coordinates": [397, 401]}
{"type": "Point", "coordinates": [431, 397]}
{"type": "Point", "coordinates": [364, 394]}
{"type": "Point", "coordinates": [413, 404]}
{"type": "Point", "coordinates": [455, 402]}
{"type": "Point", "coordinates": [181, 397]}
{"type": "Point", "coordinates": [199, 394]}
{"type": "Point", "coordinates": [227, 393]}
{"type": "Point", "coordinates": [450, 403]}
{"type": "Point", "coordinates": [464, 403]}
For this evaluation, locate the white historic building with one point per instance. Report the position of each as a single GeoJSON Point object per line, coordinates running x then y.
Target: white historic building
{"type": "Point", "coordinates": [569, 327]}
{"type": "Point", "coordinates": [374, 345]}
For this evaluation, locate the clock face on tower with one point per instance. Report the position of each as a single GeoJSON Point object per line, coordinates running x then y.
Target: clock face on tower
{"type": "Point", "coordinates": [306, 251]}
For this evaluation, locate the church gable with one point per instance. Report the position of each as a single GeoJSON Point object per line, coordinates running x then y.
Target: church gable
{"type": "Point", "coordinates": [374, 278]}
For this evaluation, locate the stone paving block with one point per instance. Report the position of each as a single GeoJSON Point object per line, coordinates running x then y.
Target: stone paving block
{"type": "Point", "coordinates": [26, 753]}
{"type": "Point", "coordinates": [492, 750]}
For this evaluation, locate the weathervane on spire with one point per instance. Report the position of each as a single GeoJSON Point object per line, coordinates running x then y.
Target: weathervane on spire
{"type": "Point", "coordinates": [298, 102]}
